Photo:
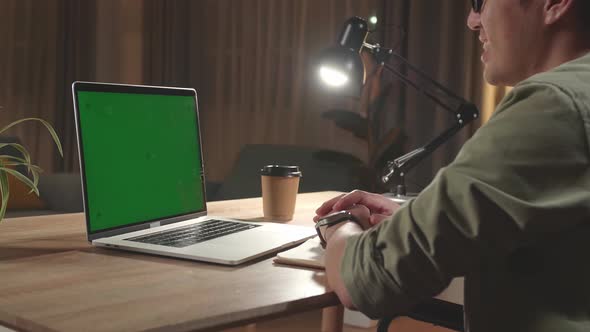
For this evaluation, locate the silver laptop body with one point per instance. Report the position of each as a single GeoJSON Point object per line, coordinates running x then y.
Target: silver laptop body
{"type": "Point", "coordinates": [143, 178]}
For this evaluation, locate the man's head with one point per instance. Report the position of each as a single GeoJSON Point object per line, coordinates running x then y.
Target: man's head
{"type": "Point", "coordinates": [524, 37]}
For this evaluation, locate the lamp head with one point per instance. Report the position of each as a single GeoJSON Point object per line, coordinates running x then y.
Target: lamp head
{"type": "Point", "coordinates": [353, 34]}
{"type": "Point", "coordinates": [341, 67]}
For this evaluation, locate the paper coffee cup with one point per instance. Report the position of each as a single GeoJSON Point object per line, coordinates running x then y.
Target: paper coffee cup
{"type": "Point", "coordinates": [280, 185]}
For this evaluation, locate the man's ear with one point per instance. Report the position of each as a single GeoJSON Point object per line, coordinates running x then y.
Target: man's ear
{"type": "Point", "coordinates": [556, 9]}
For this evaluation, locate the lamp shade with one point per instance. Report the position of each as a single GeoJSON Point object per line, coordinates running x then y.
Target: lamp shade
{"type": "Point", "coordinates": [341, 69]}
{"type": "Point", "coordinates": [353, 34]}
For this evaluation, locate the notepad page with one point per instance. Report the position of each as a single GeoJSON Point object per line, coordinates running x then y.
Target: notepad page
{"type": "Point", "coordinates": [309, 254]}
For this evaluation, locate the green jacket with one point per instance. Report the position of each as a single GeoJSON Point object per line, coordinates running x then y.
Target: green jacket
{"type": "Point", "coordinates": [511, 214]}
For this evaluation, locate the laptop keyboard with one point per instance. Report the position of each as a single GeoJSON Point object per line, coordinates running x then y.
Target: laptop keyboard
{"type": "Point", "coordinates": [192, 234]}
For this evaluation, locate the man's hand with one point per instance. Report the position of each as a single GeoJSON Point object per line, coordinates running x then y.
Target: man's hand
{"type": "Point", "coordinates": [369, 209]}
{"type": "Point", "coordinates": [360, 212]}
{"type": "Point", "coordinates": [379, 207]}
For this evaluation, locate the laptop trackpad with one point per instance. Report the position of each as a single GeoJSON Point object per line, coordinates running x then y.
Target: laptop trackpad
{"type": "Point", "coordinates": [245, 244]}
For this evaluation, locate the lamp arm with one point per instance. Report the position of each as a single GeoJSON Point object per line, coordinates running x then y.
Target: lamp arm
{"type": "Point", "coordinates": [420, 89]}
{"type": "Point", "coordinates": [400, 165]}
{"type": "Point", "coordinates": [464, 112]}
{"type": "Point", "coordinates": [428, 86]}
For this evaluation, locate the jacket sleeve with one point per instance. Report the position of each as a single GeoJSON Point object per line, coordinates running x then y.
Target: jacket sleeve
{"type": "Point", "coordinates": [521, 177]}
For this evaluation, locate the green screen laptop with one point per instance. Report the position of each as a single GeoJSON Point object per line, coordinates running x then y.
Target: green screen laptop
{"type": "Point", "coordinates": [144, 182]}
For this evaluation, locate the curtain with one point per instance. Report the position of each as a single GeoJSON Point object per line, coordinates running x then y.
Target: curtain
{"type": "Point", "coordinates": [45, 46]}
{"type": "Point", "coordinates": [433, 36]}
{"type": "Point", "coordinates": [28, 69]}
{"type": "Point", "coordinates": [251, 62]}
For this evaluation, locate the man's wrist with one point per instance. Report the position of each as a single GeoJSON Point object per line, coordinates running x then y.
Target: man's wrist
{"type": "Point", "coordinates": [332, 220]}
{"type": "Point", "coordinates": [346, 225]}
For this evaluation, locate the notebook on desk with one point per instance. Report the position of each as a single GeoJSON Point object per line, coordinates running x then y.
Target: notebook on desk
{"type": "Point", "coordinates": [309, 254]}
{"type": "Point", "coordinates": [143, 179]}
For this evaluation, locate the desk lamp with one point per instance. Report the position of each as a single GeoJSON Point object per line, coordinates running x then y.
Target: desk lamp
{"type": "Point", "coordinates": [342, 68]}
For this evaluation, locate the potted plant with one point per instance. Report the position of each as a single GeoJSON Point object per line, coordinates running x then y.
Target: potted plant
{"type": "Point", "coordinates": [9, 163]}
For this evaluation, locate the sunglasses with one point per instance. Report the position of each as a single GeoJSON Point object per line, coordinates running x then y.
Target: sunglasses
{"type": "Point", "coordinates": [477, 5]}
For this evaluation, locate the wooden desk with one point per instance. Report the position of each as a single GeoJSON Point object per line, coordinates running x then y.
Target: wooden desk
{"type": "Point", "coordinates": [52, 279]}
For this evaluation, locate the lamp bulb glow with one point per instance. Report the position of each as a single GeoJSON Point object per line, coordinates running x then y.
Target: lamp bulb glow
{"type": "Point", "coordinates": [333, 77]}
{"type": "Point", "coordinates": [373, 20]}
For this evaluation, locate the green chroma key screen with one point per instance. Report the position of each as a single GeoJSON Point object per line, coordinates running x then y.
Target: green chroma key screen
{"type": "Point", "coordinates": [141, 155]}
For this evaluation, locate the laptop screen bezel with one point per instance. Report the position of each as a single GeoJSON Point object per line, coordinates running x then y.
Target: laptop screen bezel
{"type": "Point", "coordinates": [134, 89]}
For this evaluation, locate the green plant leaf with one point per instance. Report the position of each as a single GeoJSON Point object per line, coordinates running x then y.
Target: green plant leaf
{"type": "Point", "coordinates": [21, 149]}
{"type": "Point", "coordinates": [14, 124]}
{"type": "Point", "coordinates": [4, 191]}
{"type": "Point", "coordinates": [6, 157]}
{"type": "Point", "coordinates": [34, 168]}
{"type": "Point", "coordinates": [53, 135]}
{"type": "Point", "coordinates": [16, 161]}
{"type": "Point", "coordinates": [21, 178]}
{"type": "Point", "coordinates": [35, 178]}
{"type": "Point", "coordinates": [26, 160]}
{"type": "Point", "coordinates": [46, 124]}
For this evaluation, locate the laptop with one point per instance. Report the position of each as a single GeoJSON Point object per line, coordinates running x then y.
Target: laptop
{"type": "Point", "coordinates": [143, 179]}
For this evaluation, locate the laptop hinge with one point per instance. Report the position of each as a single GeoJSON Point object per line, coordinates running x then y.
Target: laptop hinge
{"type": "Point", "coordinates": [155, 224]}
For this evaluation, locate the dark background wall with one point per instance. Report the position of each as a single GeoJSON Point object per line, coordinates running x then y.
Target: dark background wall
{"type": "Point", "coordinates": [250, 62]}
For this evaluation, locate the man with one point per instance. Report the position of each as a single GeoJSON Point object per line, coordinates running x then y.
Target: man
{"type": "Point", "coordinates": [512, 213]}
